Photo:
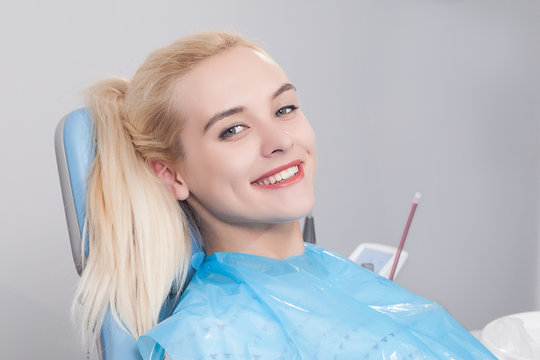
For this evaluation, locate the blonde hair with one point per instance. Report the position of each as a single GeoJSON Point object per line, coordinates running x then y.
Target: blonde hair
{"type": "Point", "coordinates": [139, 240]}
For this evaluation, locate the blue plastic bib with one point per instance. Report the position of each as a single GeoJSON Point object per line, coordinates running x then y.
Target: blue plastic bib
{"type": "Point", "coordinates": [316, 305]}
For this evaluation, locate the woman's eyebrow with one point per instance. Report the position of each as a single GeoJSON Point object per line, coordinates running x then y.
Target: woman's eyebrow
{"type": "Point", "coordinates": [282, 89]}
{"type": "Point", "coordinates": [238, 109]}
{"type": "Point", "coordinates": [221, 115]}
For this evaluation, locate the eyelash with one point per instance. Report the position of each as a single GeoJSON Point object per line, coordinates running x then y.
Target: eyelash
{"type": "Point", "coordinates": [290, 109]}
{"type": "Point", "coordinates": [227, 132]}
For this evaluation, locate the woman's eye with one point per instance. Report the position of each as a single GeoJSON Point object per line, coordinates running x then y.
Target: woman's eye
{"type": "Point", "coordinates": [233, 130]}
{"type": "Point", "coordinates": [285, 110]}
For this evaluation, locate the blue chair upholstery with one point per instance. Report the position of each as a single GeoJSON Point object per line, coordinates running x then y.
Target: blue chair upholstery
{"type": "Point", "coordinates": [75, 151]}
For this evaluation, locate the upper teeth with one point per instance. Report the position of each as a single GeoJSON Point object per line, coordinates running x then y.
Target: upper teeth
{"type": "Point", "coordinates": [280, 176]}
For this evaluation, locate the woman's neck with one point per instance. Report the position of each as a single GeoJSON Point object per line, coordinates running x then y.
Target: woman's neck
{"type": "Point", "coordinates": [271, 240]}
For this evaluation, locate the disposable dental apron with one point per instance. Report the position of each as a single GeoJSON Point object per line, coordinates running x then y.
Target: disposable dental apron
{"type": "Point", "coordinates": [316, 305]}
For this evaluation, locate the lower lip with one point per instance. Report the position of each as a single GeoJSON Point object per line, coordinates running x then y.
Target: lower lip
{"type": "Point", "coordinates": [293, 179]}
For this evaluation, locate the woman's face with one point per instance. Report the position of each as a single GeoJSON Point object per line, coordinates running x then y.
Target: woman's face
{"type": "Point", "coordinates": [243, 132]}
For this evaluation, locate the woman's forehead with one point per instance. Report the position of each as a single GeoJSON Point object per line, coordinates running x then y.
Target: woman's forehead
{"type": "Point", "coordinates": [234, 77]}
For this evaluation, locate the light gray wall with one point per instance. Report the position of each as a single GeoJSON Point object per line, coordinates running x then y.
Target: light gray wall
{"type": "Point", "coordinates": [440, 97]}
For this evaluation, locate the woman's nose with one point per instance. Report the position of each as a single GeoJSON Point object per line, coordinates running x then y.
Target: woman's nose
{"type": "Point", "coordinates": [276, 140]}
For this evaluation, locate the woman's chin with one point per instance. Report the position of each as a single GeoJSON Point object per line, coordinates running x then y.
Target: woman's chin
{"type": "Point", "coordinates": [294, 213]}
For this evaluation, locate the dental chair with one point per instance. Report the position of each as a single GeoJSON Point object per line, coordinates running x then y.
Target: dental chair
{"type": "Point", "coordinates": [75, 150]}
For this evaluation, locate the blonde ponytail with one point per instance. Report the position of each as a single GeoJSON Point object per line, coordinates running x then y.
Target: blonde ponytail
{"type": "Point", "coordinates": [138, 233]}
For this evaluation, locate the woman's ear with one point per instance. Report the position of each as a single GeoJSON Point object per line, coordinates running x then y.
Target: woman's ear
{"type": "Point", "coordinates": [170, 178]}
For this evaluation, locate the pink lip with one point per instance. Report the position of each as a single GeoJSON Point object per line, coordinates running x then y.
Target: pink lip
{"type": "Point", "coordinates": [283, 183]}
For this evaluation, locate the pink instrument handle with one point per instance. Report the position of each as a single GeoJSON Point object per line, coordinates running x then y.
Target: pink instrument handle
{"type": "Point", "coordinates": [404, 236]}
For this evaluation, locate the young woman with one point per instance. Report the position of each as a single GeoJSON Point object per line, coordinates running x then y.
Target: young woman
{"type": "Point", "coordinates": [208, 137]}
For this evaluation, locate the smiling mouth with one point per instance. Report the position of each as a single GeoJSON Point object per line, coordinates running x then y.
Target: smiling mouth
{"type": "Point", "coordinates": [290, 174]}
{"type": "Point", "coordinates": [280, 176]}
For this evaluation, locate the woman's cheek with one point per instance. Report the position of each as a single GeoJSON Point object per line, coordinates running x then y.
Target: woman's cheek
{"type": "Point", "coordinates": [307, 137]}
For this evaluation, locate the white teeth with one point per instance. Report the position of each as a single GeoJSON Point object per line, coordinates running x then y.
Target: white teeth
{"type": "Point", "coordinates": [283, 175]}
{"type": "Point", "coordinates": [290, 172]}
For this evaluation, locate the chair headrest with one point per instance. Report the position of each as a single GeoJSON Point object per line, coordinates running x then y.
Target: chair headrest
{"type": "Point", "coordinates": [75, 151]}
